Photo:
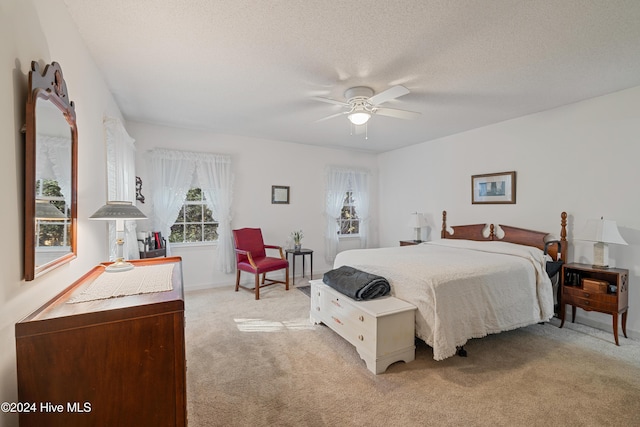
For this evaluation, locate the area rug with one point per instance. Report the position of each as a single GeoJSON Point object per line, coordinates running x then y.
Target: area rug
{"type": "Point", "coordinates": [305, 290]}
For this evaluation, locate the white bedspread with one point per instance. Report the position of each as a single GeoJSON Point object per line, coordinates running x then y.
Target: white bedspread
{"type": "Point", "coordinates": [463, 289]}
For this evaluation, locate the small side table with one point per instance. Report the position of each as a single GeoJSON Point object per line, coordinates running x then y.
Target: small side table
{"type": "Point", "coordinates": [153, 253]}
{"type": "Point", "coordinates": [302, 252]}
{"type": "Point", "coordinates": [613, 299]}
{"type": "Point", "coordinates": [410, 242]}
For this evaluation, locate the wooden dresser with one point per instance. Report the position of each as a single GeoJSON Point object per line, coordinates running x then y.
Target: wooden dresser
{"type": "Point", "coordinates": [110, 362]}
{"type": "Point", "coordinates": [381, 329]}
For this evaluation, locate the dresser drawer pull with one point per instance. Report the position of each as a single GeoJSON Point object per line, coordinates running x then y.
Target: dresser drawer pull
{"type": "Point", "coordinates": [361, 318]}
{"type": "Point", "coordinates": [360, 337]}
{"type": "Point", "coordinates": [587, 302]}
{"type": "Point", "coordinates": [338, 321]}
{"type": "Point", "coordinates": [336, 303]}
{"type": "Point", "coordinates": [587, 295]}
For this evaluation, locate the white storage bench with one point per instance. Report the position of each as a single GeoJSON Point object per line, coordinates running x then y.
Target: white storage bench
{"type": "Point", "coordinates": [381, 329]}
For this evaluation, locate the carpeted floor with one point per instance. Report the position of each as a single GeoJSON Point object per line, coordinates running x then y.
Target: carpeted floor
{"type": "Point", "coordinates": [261, 363]}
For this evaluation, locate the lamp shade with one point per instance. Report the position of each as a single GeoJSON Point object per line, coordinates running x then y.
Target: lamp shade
{"type": "Point", "coordinates": [416, 220]}
{"type": "Point", "coordinates": [47, 211]}
{"type": "Point", "coordinates": [601, 230]}
{"type": "Point", "coordinates": [115, 210]}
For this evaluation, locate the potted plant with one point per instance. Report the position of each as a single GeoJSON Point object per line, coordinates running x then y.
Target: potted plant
{"type": "Point", "coordinates": [297, 239]}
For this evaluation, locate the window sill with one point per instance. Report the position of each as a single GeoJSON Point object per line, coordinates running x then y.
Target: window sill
{"type": "Point", "coordinates": [349, 237]}
{"type": "Point", "coordinates": [193, 245]}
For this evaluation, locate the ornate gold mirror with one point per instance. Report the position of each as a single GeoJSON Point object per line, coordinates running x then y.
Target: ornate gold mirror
{"type": "Point", "coordinates": [51, 169]}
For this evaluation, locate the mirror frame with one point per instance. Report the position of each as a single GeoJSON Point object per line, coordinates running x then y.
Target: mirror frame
{"type": "Point", "coordinates": [47, 86]}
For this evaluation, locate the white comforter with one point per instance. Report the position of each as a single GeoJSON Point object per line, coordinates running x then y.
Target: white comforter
{"type": "Point", "coordinates": [463, 289]}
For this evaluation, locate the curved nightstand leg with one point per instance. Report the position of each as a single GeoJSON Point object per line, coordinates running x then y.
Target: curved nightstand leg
{"type": "Point", "coordinates": [624, 324]}
{"type": "Point", "coordinates": [615, 328]}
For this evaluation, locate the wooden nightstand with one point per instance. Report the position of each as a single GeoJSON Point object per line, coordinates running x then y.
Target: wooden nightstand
{"type": "Point", "coordinates": [612, 298]}
{"type": "Point", "coordinates": [410, 242]}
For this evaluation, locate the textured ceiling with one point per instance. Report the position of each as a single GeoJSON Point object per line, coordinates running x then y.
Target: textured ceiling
{"type": "Point", "coordinates": [249, 67]}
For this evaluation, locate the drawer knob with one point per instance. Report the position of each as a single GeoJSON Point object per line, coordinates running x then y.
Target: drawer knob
{"type": "Point", "coordinates": [361, 318]}
{"type": "Point", "coordinates": [360, 337]}
{"type": "Point", "coordinates": [586, 294]}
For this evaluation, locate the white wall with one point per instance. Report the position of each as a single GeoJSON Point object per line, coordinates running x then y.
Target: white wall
{"type": "Point", "coordinates": [581, 158]}
{"type": "Point", "coordinates": [41, 30]}
{"type": "Point", "coordinates": [258, 164]}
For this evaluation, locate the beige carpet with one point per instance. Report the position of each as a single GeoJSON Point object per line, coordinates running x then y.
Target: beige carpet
{"type": "Point", "coordinates": [261, 363]}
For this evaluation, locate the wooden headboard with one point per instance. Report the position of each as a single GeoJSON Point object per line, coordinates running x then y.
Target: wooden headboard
{"type": "Point", "coordinates": [520, 236]}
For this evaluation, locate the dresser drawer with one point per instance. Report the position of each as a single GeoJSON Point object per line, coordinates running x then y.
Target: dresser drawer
{"type": "Point", "coordinates": [348, 321]}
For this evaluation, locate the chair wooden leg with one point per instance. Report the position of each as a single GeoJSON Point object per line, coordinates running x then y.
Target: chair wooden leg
{"type": "Point", "coordinates": [257, 286]}
{"type": "Point", "coordinates": [237, 280]}
{"type": "Point", "coordinates": [286, 274]}
{"type": "Point", "coordinates": [264, 277]}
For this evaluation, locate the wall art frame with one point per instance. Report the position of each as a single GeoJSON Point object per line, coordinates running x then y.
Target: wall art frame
{"type": "Point", "coordinates": [280, 195]}
{"type": "Point", "coordinates": [494, 188]}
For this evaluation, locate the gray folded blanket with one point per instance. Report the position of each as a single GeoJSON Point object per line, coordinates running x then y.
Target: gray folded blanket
{"type": "Point", "coordinates": [356, 284]}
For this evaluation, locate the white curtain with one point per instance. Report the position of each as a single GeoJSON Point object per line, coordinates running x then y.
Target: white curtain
{"type": "Point", "coordinates": [171, 177]}
{"type": "Point", "coordinates": [360, 189]}
{"type": "Point", "coordinates": [216, 181]}
{"type": "Point", "coordinates": [339, 181]}
{"type": "Point", "coordinates": [53, 161]}
{"type": "Point", "coordinates": [121, 182]}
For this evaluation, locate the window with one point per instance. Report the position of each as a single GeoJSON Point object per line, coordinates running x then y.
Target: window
{"type": "Point", "coordinates": [52, 232]}
{"type": "Point", "coordinates": [195, 222]}
{"type": "Point", "coordinates": [349, 221]}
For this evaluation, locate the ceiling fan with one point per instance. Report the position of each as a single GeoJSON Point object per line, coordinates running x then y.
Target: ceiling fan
{"type": "Point", "coordinates": [361, 104]}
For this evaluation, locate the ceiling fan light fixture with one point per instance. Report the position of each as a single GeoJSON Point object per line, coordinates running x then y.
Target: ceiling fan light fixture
{"type": "Point", "coordinates": [359, 117]}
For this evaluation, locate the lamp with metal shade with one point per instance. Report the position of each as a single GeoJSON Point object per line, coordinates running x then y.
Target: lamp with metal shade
{"type": "Point", "coordinates": [603, 232]}
{"type": "Point", "coordinates": [46, 210]}
{"type": "Point", "coordinates": [120, 211]}
{"type": "Point", "coordinates": [417, 221]}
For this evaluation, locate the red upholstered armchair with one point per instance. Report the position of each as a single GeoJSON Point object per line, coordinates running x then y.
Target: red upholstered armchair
{"type": "Point", "coordinates": [251, 257]}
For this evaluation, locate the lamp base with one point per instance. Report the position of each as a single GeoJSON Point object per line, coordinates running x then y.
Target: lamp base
{"type": "Point", "coordinates": [600, 255]}
{"type": "Point", "coordinates": [119, 266]}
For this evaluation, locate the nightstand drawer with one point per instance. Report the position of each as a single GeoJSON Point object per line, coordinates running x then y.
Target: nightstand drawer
{"type": "Point", "coordinates": [591, 304]}
{"type": "Point", "coordinates": [594, 296]}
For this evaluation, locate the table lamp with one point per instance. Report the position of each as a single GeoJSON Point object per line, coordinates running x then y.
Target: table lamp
{"type": "Point", "coordinates": [417, 221]}
{"type": "Point", "coordinates": [603, 232]}
{"type": "Point", "coordinates": [118, 211]}
{"type": "Point", "coordinates": [46, 210]}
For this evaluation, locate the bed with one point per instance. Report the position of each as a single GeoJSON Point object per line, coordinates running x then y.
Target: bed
{"type": "Point", "coordinates": [470, 283]}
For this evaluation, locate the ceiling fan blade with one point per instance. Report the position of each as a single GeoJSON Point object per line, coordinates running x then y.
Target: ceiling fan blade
{"type": "Point", "coordinates": [389, 94]}
{"type": "Point", "coordinates": [331, 116]}
{"type": "Point", "coordinates": [399, 114]}
{"type": "Point", "coordinates": [329, 101]}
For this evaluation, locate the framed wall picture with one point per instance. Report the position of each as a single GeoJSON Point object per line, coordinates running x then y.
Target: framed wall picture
{"type": "Point", "coordinates": [493, 188]}
{"type": "Point", "coordinates": [279, 195]}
